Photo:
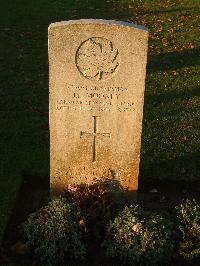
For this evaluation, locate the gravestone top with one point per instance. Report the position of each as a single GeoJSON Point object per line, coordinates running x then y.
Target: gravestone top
{"type": "Point", "coordinates": [98, 21]}
{"type": "Point", "coordinates": [97, 78]}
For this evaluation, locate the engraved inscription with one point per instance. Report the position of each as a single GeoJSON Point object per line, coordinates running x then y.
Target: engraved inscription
{"type": "Point", "coordinates": [89, 173]}
{"type": "Point", "coordinates": [97, 58]}
{"type": "Point", "coordinates": [94, 134]}
{"type": "Point", "coordinates": [96, 98]}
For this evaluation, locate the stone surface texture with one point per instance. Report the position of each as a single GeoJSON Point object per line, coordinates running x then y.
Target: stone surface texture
{"type": "Point", "coordinates": [97, 80]}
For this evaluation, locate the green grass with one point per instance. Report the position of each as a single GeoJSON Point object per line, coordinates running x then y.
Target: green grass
{"type": "Point", "coordinates": [171, 127]}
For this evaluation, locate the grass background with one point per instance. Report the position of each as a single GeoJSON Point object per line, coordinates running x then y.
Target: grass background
{"type": "Point", "coordinates": [171, 126]}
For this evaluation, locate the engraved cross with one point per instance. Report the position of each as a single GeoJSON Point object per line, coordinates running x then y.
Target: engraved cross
{"type": "Point", "coordinates": [94, 134]}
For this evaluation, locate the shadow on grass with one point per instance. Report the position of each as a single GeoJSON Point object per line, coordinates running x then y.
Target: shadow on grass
{"type": "Point", "coordinates": [33, 194]}
{"type": "Point", "coordinates": [183, 168]}
{"type": "Point", "coordinates": [165, 97]}
{"type": "Point", "coordinates": [173, 60]}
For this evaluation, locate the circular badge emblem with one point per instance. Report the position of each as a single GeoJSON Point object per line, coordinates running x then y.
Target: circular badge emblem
{"type": "Point", "coordinates": [97, 59]}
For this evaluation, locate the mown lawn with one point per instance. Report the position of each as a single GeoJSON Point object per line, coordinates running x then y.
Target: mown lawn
{"type": "Point", "coordinates": [171, 128]}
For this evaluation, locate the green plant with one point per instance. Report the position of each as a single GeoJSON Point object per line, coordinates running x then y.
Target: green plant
{"type": "Point", "coordinates": [188, 214]}
{"type": "Point", "coordinates": [54, 232]}
{"type": "Point", "coordinates": [98, 203]}
{"type": "Point", "coordinates": [137, 238]}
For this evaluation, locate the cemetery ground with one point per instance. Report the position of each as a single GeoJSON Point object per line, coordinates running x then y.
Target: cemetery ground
{"type": "Point", "coordinates": [170, 153]}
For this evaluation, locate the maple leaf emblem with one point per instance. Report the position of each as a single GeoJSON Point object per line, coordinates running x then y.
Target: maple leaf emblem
{"type": "Point", "coordinates": [97, 59]}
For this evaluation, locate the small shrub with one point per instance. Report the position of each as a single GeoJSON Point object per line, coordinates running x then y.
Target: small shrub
{"type": "Point", "coordinates": [136, 239]}
{"type": "Point", "coordinates": [188, 214]}
{"type": "Point", "coordinates": [97, 203]}
{"type": "Point", "coordinates": [54, 232]}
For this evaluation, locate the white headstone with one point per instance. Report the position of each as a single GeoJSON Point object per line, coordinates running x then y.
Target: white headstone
{"type": "Point", "coordinates": [97, 81]}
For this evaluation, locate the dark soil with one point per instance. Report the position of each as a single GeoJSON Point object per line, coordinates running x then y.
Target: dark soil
{"type": "Point", "coordinates": [153, 195]}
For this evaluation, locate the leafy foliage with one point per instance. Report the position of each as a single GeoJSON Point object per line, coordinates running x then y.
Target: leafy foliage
{"type": "Point", "coordinates": [134, 236]}
{"type": "Point", "coordinates": [54, 232]}
{"type": "Point", "coordinates": [97, 202]}
{"type": "Point", "coordinates": [188, 214]}
{"type": "Point", "coordinates": [136, 239]}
